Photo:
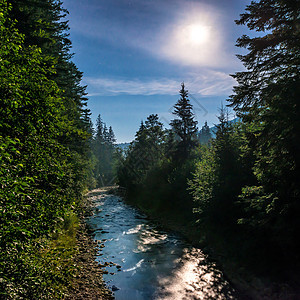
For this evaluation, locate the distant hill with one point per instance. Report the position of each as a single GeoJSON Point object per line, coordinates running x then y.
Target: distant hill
{"type": "Point", "coordinates": [213, 129]}
{"type": "Point", "coordinates": [123, 146]}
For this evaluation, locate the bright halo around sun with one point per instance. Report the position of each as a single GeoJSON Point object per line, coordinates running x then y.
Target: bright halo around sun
{"type": "Point", "coordinates": [196, 37]}
{"type": "Point", "coordinates": [197, 34]}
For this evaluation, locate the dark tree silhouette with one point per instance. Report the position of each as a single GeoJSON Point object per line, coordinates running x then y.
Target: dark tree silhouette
{"type": "Point", "coordinates": [267, 100]}
{"type": "Point", "coordinates": [185, 127]}
{"type": "Point", "coordinates": [204, 134]}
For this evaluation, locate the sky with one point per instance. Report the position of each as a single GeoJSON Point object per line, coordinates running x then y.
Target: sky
{"type": "Point", "coordinates": [134, 55]}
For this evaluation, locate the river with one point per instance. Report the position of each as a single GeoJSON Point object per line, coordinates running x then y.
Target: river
{"type": "Point", "coordinates": [144, 261]}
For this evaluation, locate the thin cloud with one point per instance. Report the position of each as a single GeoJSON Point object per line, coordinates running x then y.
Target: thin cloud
{"type": "Point", "coordinates": [113, 87]}
{"type": "Point", "coordinates": [211, 83]}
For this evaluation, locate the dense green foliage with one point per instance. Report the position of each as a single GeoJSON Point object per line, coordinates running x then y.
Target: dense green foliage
{"type": "Point", "coordinates": [158, 163]}
{"type": "Point", "coordinates": [105, 154]}
{"type": "Point", "coordinates": [44, 150]}
{"type": "Point", "coordinates": [267, 100]}
{"type": "Point", "coordinates": [219, 175]}
{"type": "Point", "coordinates": [205, 134]}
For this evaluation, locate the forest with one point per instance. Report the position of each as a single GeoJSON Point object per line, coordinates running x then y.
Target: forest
{"type": "Point", "coordinates": [48, 150]}
{"type": "Point", "coordinates": [234, 188]}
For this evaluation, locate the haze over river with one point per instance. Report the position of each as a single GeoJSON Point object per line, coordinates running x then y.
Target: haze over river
{"type": "Point", "coordinates": [147, 262]}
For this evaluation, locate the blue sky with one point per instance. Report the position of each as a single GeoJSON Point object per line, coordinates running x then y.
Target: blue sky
{"type": "Point", "coordinates": [135, 53]}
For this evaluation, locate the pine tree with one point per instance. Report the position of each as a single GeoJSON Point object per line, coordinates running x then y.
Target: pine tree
{"type": "Point", "coordinates": [99, 128]}
{"type": "Point", "coordinates": [149, 138]}
{"type": "Point", "coordinates": [220, 176]}
{"type": "Point", "coordinates": [185, 127]}
{"type": "Point", "coordinates": [267, 99]}
{"type": "Point", "coordinates": [154, 130]}
{"type": "Point", "coordinates": [144, 152]}
{"type": "Point", "coordinates": [105, 134]}
{"type": "Point", "coordinates": [103, 150]}
{"type": "Point", "coordinates": [204, 134]}
{"type": "Point", "coordinates": [111, 136]}
{"type": "Point", "coordinates": [44, 26]}
{"type": "Point", "coordinates": [141, 131]}
{"type": "Point", "coordinates": [42, 149]}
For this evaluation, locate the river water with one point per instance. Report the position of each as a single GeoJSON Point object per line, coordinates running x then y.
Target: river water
{"type": "Point", "coordinates": [146, 262]}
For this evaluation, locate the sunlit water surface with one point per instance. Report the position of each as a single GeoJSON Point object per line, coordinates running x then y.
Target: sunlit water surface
{"type": "Point", "coordinates": [147, 262]}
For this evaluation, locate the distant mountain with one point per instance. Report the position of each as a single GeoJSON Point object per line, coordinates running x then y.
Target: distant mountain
{"type": "Point", "coordinates": [213, 129]}
{"type": "Point", "coordinates": [123, 146]}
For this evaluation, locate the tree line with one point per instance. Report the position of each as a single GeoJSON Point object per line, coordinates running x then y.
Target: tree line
{"type": "Point", "coordinates": [104, 153]}
{"type": "Point", "coordinates": [48, 153]}
{"type": "Point", "coordinates": [240, 188]}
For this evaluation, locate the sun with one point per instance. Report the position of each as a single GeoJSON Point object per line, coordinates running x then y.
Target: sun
{"type": "Point", "coordinates": [197, 34]}
{"type": "Point", "coordinates": [195, 39]}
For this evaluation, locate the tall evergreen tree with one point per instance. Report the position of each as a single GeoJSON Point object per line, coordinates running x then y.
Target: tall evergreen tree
{"type": "Point", "coordinates": [99, 128]}
{"type": "Point", "coordinates": [204, 134]}
{"type": "Point", "coordinates": [149, 139]}
{"type": "Point", "coordinates": [105, 134]}
{"type": "Point", "coordinates": [218, 179]}
{"type": "Point", "coordinates": [44, 26]}
{"type": "Point", "coordinates": [267, 99]}
{"type": "Point", "coordinates": [144, 152]}
{"type": "Point", "coordinates": [103, 150]}
{"type": "Point", "coordinates": [185, 127]}
{"type": "Point", "coordinates": [155, 131]}
{"type": "Point", "coordinates": [111, 136]}
{"type": "Point", "coordinates": [43, 147]}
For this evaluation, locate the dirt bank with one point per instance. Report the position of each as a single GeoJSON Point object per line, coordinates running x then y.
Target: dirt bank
{"type": "Point", "coordinates": [88, 283]}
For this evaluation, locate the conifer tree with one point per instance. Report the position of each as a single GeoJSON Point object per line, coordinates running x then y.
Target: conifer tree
{"type": "Point", "coordinates": [204, 134]}
{"type": "Point", "coordinates": [185, 127]}
{"type": "Point", "coordinates": [103, 150]}
{"type": "Point", "coordinates": [154, 130]}
{"type": "Point", "coordinates": [219, 176]}
{"type": "Point", "coordinates": [105, 134]}
{"type": "Point", "coordinates": [44, 26]}
{"type": "Point", "coordinates": [144, 152]}
{"type": "Point", "coordinates": [99, 128]}
{"type": "Point", "coordinates": [267, 99]}
{"type": "Point", "coordinates": [111, 135]}
{"type": "Point", "coordinates": [42, 147]}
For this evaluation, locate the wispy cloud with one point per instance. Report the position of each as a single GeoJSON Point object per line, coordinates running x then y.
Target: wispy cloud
{"type": "Point", "coordinates": [210, 83]}
{"type": "Point", "coordinates": [112, 87]}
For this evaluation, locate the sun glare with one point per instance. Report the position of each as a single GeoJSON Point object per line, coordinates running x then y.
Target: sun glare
{"type": "Point", "coordinates": [197, 34]}
{"type": "Point", "coordinates": [195, 38]}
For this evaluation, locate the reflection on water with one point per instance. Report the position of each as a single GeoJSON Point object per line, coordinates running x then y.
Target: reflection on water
{"type": "Point", "coordinates": [146, 262]}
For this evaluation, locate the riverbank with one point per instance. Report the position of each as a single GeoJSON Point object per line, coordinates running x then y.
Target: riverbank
{"type": "Point", "coordinates": [251, 284]}
{"type": "Point", "coordinates": [154, 263]}
{"type": "Point", "coordinates": [88, 282]}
